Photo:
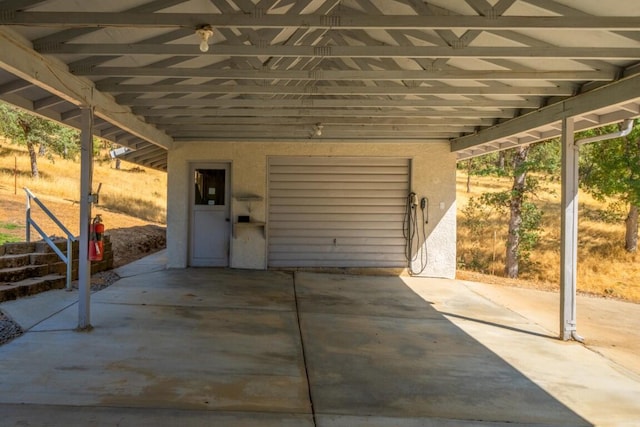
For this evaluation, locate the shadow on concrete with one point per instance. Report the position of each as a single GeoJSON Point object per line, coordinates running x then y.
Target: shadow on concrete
{"type": "Point", "coordinates": [499, 325]}
{"type": "Point", "coordinates": [235, 348]}
{"type": "Point", "coordinates": [375, 348]}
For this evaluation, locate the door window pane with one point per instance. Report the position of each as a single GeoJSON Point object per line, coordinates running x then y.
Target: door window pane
{"type": "Point", "coordinates": [209, 186]}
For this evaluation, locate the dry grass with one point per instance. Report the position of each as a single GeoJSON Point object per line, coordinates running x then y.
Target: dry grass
{"type": "Point", "coordinates": [604, 267]}
{"type": "Point", "coordinates": [132, 190]}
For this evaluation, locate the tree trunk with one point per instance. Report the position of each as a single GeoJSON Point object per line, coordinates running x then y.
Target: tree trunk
{"type": "Point", "coordinates": [631, 234]}
{"type": "Point", "coordinates": [469, 167]}
{"type": "Point", "coordinates": [500, 161]}
{"type": "Point", "coordinates": [515, 212]}
{"type": "Point", "coordinates": [33, 156]}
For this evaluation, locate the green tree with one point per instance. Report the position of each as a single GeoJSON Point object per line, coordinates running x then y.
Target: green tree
{"type": "Point", "coordinates": [489, 164]}
{"type": "Point", "coordinates": [611, 169]}
{"type": "Point", "coordinates": [38, 134]}
{"type": "Point", "coordinates": [524, 216]}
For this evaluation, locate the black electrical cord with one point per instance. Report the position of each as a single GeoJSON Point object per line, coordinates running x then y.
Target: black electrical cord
{"type": "Point", "coordinates": [411, 232]}
{"type": "Point", "coordinates": [408, 230]}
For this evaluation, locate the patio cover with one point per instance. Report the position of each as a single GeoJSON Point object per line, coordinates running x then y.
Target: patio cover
{"type": "Point", "coordinates": [484, 74]}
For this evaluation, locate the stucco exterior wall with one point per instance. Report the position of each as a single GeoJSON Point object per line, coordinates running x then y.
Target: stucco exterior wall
{"type": "Point", "coordinates": [433, 176]}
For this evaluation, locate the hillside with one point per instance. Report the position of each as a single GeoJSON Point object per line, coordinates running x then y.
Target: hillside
{"type": "Point", "coordinates": [604, 267]}
{"type": "Point", "coordinates": [132, 200]}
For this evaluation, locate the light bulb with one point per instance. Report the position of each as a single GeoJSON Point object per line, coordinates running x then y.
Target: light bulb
{"type": "Point", "coordinates": [204, 32]}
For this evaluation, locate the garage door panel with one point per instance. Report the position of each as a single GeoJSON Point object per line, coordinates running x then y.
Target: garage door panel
{"type": "Point", "coordinates": [343, 201]}
{"type": "Point", "coordinates": [338, 217]}
{"type": "Point", "coordinates": [335, 209]}
{"type": "Point", "coordinates": [400, 177]}
{"type": "Point", "coordinates": [346, 170]}
{"type": "Point", "coordinates": [337, 212]}
{"type": "Point", "coordinates": [337, 193]}
{"type": "Point", "coordinates": [343, 263]}
{"type": "Point", "coordinates": [342, 241]}
{"type": "Point", "coordinates": [343, 233]}
{"type": "Point", "coordinates": [345, 250]}
{"type": "Point", "coordinates": [278, 228]}
{"type": "Point", "coordinates": [375, 186]}
{"type": "Point", "coordinates": [357, 262]}
{"type": "Point", "coordinates": [315, 161]}
{"type": "Point", "coordinates": [319, 257]}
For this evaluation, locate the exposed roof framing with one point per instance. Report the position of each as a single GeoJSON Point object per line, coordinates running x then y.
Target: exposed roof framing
{"type": "Point", "coordinates": [483, 74]}
{"type": "Point", "coordinates": [313, 21]}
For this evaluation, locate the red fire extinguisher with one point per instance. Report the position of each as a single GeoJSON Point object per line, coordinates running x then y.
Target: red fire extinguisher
{"type": "Point", "coordinates": [96, 244]}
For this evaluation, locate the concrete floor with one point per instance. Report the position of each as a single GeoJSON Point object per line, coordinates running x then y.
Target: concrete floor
{"type": "Point", "coordinates": [224, 347]}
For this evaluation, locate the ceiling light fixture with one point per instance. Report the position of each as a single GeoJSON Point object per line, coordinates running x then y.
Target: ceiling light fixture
{"type": "Point", "coordinates": [317, 130]}
{"type": "Point", "coordinates": [204, 32]}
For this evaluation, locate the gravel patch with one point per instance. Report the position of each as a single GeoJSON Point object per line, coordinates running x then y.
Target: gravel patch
{"type": "Point", "coordinates": [8, 329]}
{"type": "Point", "coordinates": [100, 280]}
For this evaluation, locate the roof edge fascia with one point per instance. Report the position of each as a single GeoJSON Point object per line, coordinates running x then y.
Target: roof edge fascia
{"type": "Point", "coordinates": [615, 93]}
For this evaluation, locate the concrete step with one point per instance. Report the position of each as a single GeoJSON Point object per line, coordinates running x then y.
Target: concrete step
{"type": "Point", "coordinates": [29, 268]}
{"type": "Point", "coordinates": [42, 246]}
{"type": "Point", "coordinates": [18, 248]}
{"type": "Point", "coordinates": [16, 274]}
{"type": "Point", "coordinates": [31, 286]}
{"type": "Point", "coordinates": [39, 258]}
{"type": "Point", "coordinates": [13, 261]}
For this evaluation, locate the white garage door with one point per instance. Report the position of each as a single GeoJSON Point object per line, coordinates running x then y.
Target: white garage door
{"type": "Point", "coordinates": [337, 212]}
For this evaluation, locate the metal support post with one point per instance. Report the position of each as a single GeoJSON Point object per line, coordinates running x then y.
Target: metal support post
{"type": "Point", "coordinates": [86, 175]}
{"type": "Point", "coordinates": [28, 221]}
{"type": "Point", "coordinates": [569, 233]}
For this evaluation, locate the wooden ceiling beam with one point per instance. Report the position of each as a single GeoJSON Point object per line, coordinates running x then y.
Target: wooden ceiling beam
{"type": "Point", "coordinates": [329, 22]}
{"type": "Point", "coordinates": [411, 52]}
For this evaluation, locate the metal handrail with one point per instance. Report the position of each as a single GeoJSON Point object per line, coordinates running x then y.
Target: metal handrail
{"type": "Point", "coordinates": [68, 259]}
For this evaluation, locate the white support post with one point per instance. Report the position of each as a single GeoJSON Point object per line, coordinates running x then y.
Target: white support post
{"type": "Point", "coordinates": [569, 232]}
{"type": "Point", "coordinates": [86, 176]}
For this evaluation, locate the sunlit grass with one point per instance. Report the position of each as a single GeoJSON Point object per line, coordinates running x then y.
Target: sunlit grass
{"type": "Point", "coordinates": [7, 238]}
{"type": "Point", "coordinates": [132, 190]}
{"type": "Point", "coordinates": [604, 267]}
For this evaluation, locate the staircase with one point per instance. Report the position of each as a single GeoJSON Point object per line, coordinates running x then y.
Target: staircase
{"type": "Point", "coordinates": [28, 268]}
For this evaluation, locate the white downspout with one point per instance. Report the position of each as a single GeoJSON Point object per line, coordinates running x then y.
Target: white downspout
{"type": "Point", "coordinates": [627, 127]}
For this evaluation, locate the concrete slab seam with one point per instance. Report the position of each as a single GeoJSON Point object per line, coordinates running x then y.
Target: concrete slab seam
{"type": "Point", "coordinates": [304, 355]}
{"type": "Point", "coordinates": [50, 316]}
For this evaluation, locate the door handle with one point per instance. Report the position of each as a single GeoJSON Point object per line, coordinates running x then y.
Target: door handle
{"type": "Point", "coordinates": [227, 219]}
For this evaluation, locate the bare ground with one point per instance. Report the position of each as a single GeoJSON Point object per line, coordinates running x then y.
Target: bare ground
{"type": "Point", "coordinates": [132, 238]}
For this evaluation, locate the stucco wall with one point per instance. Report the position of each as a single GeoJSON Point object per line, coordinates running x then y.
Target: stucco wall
{"type": "Point", "coordinates": [433, 176]}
